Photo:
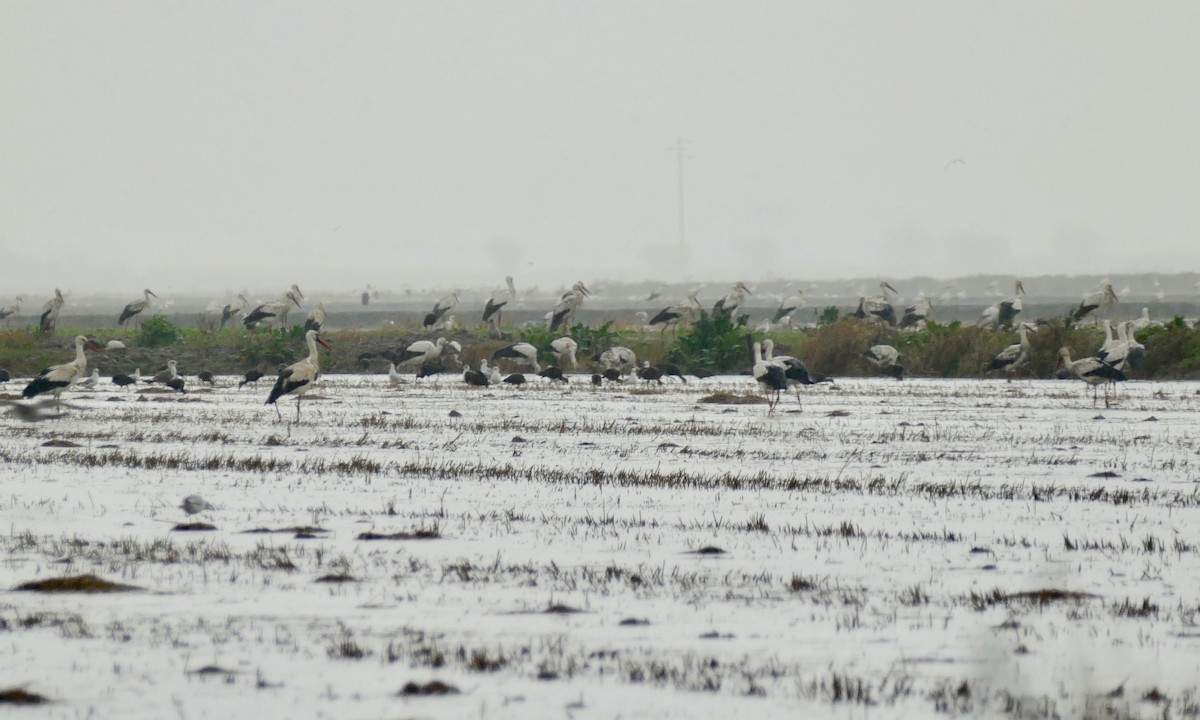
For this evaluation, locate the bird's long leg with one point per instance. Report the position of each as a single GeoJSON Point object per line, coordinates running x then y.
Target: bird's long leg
{"type": "Point", "coordinates": [297, 408]}
{"type": "Point", "coordinates": [277, 413]}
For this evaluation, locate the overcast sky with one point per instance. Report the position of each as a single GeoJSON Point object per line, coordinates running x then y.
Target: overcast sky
{"type": "Point", "coordinates": [220, 145]}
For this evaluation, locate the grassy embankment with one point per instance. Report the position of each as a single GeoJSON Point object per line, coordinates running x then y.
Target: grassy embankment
{"type": "Point", "coordinates": [948, 351]}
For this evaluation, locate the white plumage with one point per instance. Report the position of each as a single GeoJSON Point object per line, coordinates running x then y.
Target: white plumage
{"type": "Point", "coordinates": [564, 348]}
{"type": "Point", "coordinates": [57, 378]}
{"type": "Point", "coordinates": [298, 378]}
{"type": "Point", "coordinates": [499, 300]}
{"type": "Point", "coordinates": [1003, 313]}
{"type": "Point", "coordinates": [521, 352]}
{"type": "Point", "coordinates": [1015, 356]}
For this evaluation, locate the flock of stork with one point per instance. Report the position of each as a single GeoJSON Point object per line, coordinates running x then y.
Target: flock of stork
{"type": "Point", "coordinates": [773, 373]}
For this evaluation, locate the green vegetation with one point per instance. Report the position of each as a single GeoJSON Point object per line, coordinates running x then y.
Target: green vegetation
{"type": "Point", "coordinates": [157, 331]}
{"type": "Point", "coordinates": [716, 343]}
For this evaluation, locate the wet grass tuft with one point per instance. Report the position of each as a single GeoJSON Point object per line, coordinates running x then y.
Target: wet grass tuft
{"type": "Point", "coordinates": [75, 584]}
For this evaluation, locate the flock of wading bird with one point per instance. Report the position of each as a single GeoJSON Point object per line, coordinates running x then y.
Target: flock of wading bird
{"type": "Point", "coordinates": [774, 373]}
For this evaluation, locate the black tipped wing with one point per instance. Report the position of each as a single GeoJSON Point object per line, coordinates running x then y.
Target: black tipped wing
{"type": "Point", "coordinates": [41, 385]}
{"type": "Point", "coordinates": [284, 385]}
{"type": "Point", "coordinates": [127, 313]}
{"type": "Point", "coordinates": [492, 308]}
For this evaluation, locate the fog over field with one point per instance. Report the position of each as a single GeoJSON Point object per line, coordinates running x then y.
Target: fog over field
{"type": "Point", "coordinates": [219, 146]}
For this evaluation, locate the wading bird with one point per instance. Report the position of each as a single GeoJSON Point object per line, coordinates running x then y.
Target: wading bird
{"type": "Point", "coordinates": [298, 378]}
{"type": "Point", "coordinates": [522, 352]}
{"type": "Point", "coordinates": [427, 350]}
{"type": "Point", "coordinates": [496, 303]}
{"type": "Point", "coordinates": [8, 311]}
{"type": "Point", "coordinates": [887, 359]}
{"type": "Point", "coordinates": [733, 300]}
{"type": "Point", "coordinates": [1092, 371]}
{"type": "Point", "coordinates": [269, 311]}
{"type": "Point", "coordinates": [618, 358]}
{"type": "Point", "coordinates": [1098, 302]}
{"type": "Point", "coordinates": [440, 308]}
{"type": "Point", "coordinates": [1002, 314]}
{"type": "Point", "coordinates": [1012, 358]}
{"type": "Point", "coordinates": [672, 316]}
{"type": "Point", "coordinates": [316, 317]}
{"type": "Point", "coordinates": [916, 315]}
{"type": "Point", "coordinates": [564, 349]}
{"type": "Point", "coordinates": [57, 378]}
{"type": "Point", "coordinates": [789, 306]}
{"type": "Point", "coordinates": [136, 307]}
{"type": "Point", "coordinates": [770, 377]}
{"type": "Point", "coordinates": [563, 314]}
{"type": "Point", "coordinates": [50, 310]}
{"type": "Point", "coordinates": [232, 312]}
{"type": "Point", "coordinates": [878, 307]}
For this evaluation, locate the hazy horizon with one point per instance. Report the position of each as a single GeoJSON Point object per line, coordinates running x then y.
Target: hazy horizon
{"type": "Point", "coordinates": [211, 146]}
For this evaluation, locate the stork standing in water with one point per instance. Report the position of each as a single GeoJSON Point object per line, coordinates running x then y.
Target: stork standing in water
{"type": "Point", "coordinates": [232, 312]}
{"type": "Point", "coordinates": [789, 306]}
{"type": "Point", "coordinates": [1098, 302]}
{"type": "Point", "coordinates": [564, 349]}
{"type": "Point", "coordinates": [671, 317]}
{"type": "Point", "coordinates": [136, 307]}
{"type": "Point", "coordinates": [269, 311]}
{"type": "Point", "coordinates": [8, 311]}
{"type": "Point", "coordinates": [563, 314]}
{"type": "Point", "coordinates": [57, 378]}
{"type": "Point", "coordinates": [1092, 371]}
{"type": "Point", "coordinates": [1012, 358]}
{"type": "Point", "coordinates": [50, 312]}
{"type": "Point", "coordinates": [878, 307]}
{"type": "Point", "coordinates": [496, 303]}
{"type": "Point", "coordinates": [316, 318]}
{"type": "Point", "coordinates": [440, 308]}
{"type": "Point", "coordinates": [770, 377]}
{"type": "Point", "coordinates": [522, 352]}
{"type": "Point", "coordinates": [298, 378]}
{"type": "Point", "coordinates": [1003, 313]}
{"type": "Point", "coordinates": [794, 369]}
{"type": "Point", "coordinates": [733, 300]}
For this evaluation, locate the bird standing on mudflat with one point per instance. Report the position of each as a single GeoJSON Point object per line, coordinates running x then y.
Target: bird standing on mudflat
{"type": "Point", "coordinates": [298, 378]}
{"type": "Point", "coordinates": [57, 378]}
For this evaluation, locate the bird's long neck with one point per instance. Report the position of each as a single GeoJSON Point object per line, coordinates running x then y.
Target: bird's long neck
{"type": "Point", "coordinates": [1024, 337]}
{"type": "Point", "coordinates": [768, 350]}
{"type": "Point", "coordinates": [312, 349]}
{"type": "Point", "coordinates": [758, 355]}
{"type": "Point", "coordinates": [80, 358]}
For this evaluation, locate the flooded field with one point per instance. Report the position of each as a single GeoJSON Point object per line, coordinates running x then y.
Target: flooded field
{"type": "Point", "coordinates": [432, 550]}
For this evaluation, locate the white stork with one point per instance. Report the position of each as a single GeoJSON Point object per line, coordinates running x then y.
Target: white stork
{"type": "Point", "coordinates": [57, 378]}
{"type": "Point", "coordinates": [522, 352]}
{"type": "Point", "coordinates": [770, 377]}
{"type": "Point", "coordinates": [293, 293]}
{"type": "Point", "coordinates": [789, 306]}
{"type": "Point", "coordinates": [1142, 323]}
{"type": "Point", "coordinates": [563, 314]}
{"type": "Point", "coordinates": [564, 349]}
{"type": "Point", "coordinates": [887, 359]}
{"type": "Point", "coordinates": [136, 306]}
{"type": "Point", "coordinates": [1136, 357]}
{"type": "Point", "coordinates": [267, 312]}
{"type": "Point", "coordinates": [495, 304]}
{"type": "Point", "coordinates": [316, 318]}
{"type": "Point", "coordinates": [1003, 313]}
{"type": "Point", "coordinates": [1099, 301]}
{"type": "Point", "coordinates": [50, 312]}
{"type": "Point", "coordinates": [618, 358]}
{"type": "Point", "coordinates": [440, 308]}
{"type": "Point", "coordinates": [1092, 371]}
{"type": "Point", "coordinates": [1012, 358]}
{"type": "Point", "coordinates": [233, 311]}
{"type": "Point", "coordinates": [878, 307]}
{"type": "Point", "coordinates": [298, 378]}
{"type": "Point", "coordinates": [1110, 342]}
{"type": "Point", "coordinates": [917, 314]}
{"type": "Point", "coordinates": [794, 369]}
{"type": "Point", "coordinates": [426, 350]}
{"type": "Point", "coordinates": [670, 317]}
{"type": "Point", "coordinates": [733, 300]}
{"type": "Point", "coordinates": [8, 311]}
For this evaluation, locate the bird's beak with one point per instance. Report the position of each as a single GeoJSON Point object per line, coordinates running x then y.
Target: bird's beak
{"type": "Point", "coordinates": [1020, 287]}
{"type": "Point", "coordinates": [322, 341]}
{"type": "Point", "coordinates": [889, 287]}
{"type": "Point", "coordinates": [93, 346]}
{"type": "Point", "coordinates": [152, 293]}
{"type": "Point", "coordinates": [293, 297]}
